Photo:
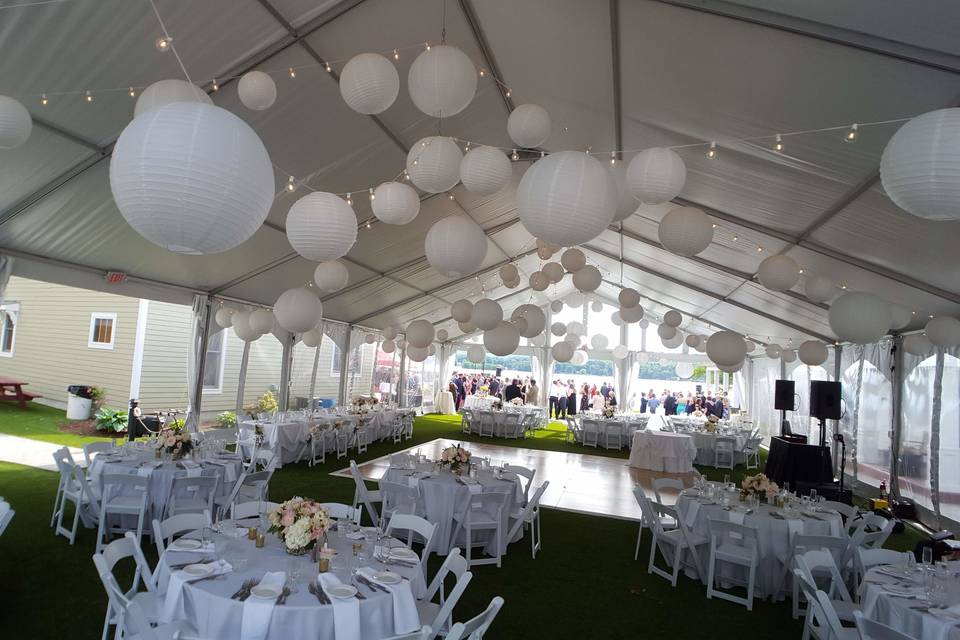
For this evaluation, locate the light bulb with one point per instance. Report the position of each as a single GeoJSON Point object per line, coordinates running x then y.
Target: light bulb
{"type": "Point", "coordinates": [396, 55]}
{"type": "Point", "coordinates": [350, 199]}
{"type": "Point", "coordinates": [852, 133]}
{"type": "Point", "coordinates": [843, 286]}
{"type": "Point", "coordinates": [514, 156]}
{"type": "Point", "coordinates": [801, 271]}
{"type": "Point", "coordinates": [133, 94]}
{"type": "Point", "coordinates": [450, 195]}
{"type": "Point", "coordinates": [778, 144]}
{"type": "Point", "coordinates": [215, 86]}
{"type": "Point", "coordinates": [613, 157]}
{"type": "Point", "coordinates": [759, 249]}
{"type": "Point", "coordinates": [291, 187]}
{"type": "Point", "coordinates": [373, 196]}
{"type": "Point", "coordinates": [369, 225]}
{"type": "Point", "coordinates": [88, 97]}
{"type": "Point", "coordinates": [292, 72]}
{"type": "Point", "coordinates": [43, 99]}
{"type": "Point", "coordinates": [482, 73]}
{"type": "Point", "coordinates": [508, 94]}
{"type": "Point", "coordinates": [712, 151]}
{"type": "Point", "coordinates": [735, 238]}
{"type": "Point", "coordinates": [163, 44]}
{"type": "Point", "coordinates": [326, 65]}
{"type": "Point", "coordinates": [427, 45]}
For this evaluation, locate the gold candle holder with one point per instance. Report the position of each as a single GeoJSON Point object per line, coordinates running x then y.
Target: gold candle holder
{"type": "Point", "coordinates": [323, 565]}
{"type": "Point", "coordinates": [252, 533]}
{"type": "Point", "coordinates": [261, 540]}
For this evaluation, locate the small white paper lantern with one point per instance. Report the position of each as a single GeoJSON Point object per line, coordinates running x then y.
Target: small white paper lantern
{"type": "Point", "coordinates": [535, 317]}
{"type": "Point", "coordinates": [918, 344]}
{"type": "Point", "coordinates": [485, 170]}
{"type": "Point", "coordinates": [556, 306]}
{"type": "Point", "coordinates": [562, 351]}
{"type": "Point", "coordinates": [167, 91]}
{"type": "Point", "coordinates": [331, 276]}
{"type": "Point", "coordinates": [596, 306]}
{"type": "Point", "coordinates": [573, 339]}
{"type": "Point", "coordinates": [575, 300]}
{"type": "Point", "coordinates": [599, 342]}
{"type": "Point", "coordinates": [390, 333]}
{"type": "Point", "coordinates": [819, 288]}
{"type": "Point", "coordinates": [512, 284]}
{"type": "Point", "coordinates": [321, 226]}
{"type": "Point", "coordinates": [442, 335]}
{"type": "Point", "coordinates": [240, 321]}
{"type": "Point", "coordinates": [388, 346]}
{"type": "Point", "coordinates": [461, 310]}
{"type": "Point", "coordinates": [579, 358]}
{"type": "Point", "coordinates": [656, 175]}
{"type": "Point", "coordinates": [217, 204]}
{"type": "Point", "coordinates": [726, 348]}
{"type": "Point", "coordinates": [545, 250]}
{"type": "Point", "coordinates": [456, 246]}
{"type": "Point", "coordinates": [788, 355]}
{"type": "Point", "coordinates": [812, 353]}
{"type": "Point", "coordinates": [631, 314]}
{"type": "Point", "coordinates": [312, 338]}
{"type": "Point", "coordinates": [554, 272]}
{"type": "Point", "coordinates": [626, 204]}
{"type": "Point", "coordinates": [369, 338]}
{"type": "Point", "coordinates": [558, 329]}
{"type": "Point", "coordinates": [576, 328]}
{"type": "Point", "coordinates": [943, 331]}
{"type": "Point", "coordinates": [224, 317]}
{"type": "Point", "coordinates": [773, 350]}
{"type": "Point", "coordinates": [529, 125]}
{"type": "Point", "coordinates": [261, 320]}
{"type": "Point", "coordinates": [900, 316]}
{"type": "Point", "coordinates": [432, 350]}
{"type": "Point", "coordinates": [567, 198]}
{"type": "Point", "coordinates": [417, 354]}
{"type": "Point", "coordinates": [684, 369]}
{"type": "Point", "coordinates": [395, 203]}
{"type": "Point", "coordinates": [420, 333]}
{"type": "Point", "coordinates": [486, 314]}
{"type": "Point", "coordinates": [665, 331]}
{"type": "Point", "coordinates": [369, 83]}
{"type": "Point", "coordinates": [509, 273]}
{"type": "Point", "coordinates": [587, 279]}
{"type": "Point", "coordinates": [573, 259]}
{"type": "Point", "coordinates": [919, 168]}
{"type": "Point", "coordinates": [442, 81]}
{"type": "Point", "coordinates": [685, 231]}
{"type": "Point", "coordinates": [616, 319]}
{"type": "Point", "coordinates": [476, 354]}
{"type": "Point", "coordinates": [433, 164]}
{"type": "Point", "coordinates": [628, 297]}
{"type": "Point", "coordinates": [751, 345]}
{"type": "Point", "coordinates": [539, 281]}
{"type": "Point", "coordinates": [502, 340]}
{"type": "Point", "coordinates": [672, 318]}
{"type": "Point", "coordinates": [692, 340]}
{"type": "Point", "coordinates": [859, 317]}
{"type": "Point", "coordinates": [620, 352]}
{"type": "Point", "coordinates": [257, 90]}
{"type": "Point", "coordinates": [298, 310]}
{"type": "Point", "coordinates": [778, 273]}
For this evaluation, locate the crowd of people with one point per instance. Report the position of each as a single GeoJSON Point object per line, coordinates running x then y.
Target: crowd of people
{"type": "Point", "coordinates": [463, 385]}
{"type": "Point", "coordinates": [567, 400]}
{"type": "Point", "coordinates": [676, 403]}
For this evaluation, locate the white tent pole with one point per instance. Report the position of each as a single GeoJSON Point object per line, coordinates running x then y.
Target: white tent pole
{"type": "Point", "coordinates": [344, 361]}
{"type": "Point", "coordinates": [242, 378]}
{"type": "Point", "coordinates": [313, 376]}
{"type": "Point", "coordinates": [286, 360]}
{"type": "Point", "coordinates": [896, 423]}
{"type": "Point", "coordinates": [935, 416]}
{"type": "Point", "coordinates": [402, 384]}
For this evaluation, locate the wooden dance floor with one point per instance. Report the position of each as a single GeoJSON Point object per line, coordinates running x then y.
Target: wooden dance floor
{"type": "Point", "coordinates": [579, 482]}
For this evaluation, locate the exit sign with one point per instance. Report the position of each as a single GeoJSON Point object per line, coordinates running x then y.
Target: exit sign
{"type": "Point", "coordinates": [116, 277]}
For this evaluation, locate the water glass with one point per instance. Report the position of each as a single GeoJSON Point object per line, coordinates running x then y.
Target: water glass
{"type": "Point", "coordinates": [927, 557]}
{"type": "Point", "coordinates": [294, 572]}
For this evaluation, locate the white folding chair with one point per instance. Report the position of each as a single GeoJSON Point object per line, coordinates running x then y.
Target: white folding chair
{"type": "Point", "coordinates": [875, 529]}
{"type": "Point", "coordinates": [66, 473]}
{"type": "Point", "coordinates": [666, 483]}
{"type": "Point", "coordinates": [226, 435]}
{"type": "Point", "coordinates": [6, 515]}
{"type": "Point", "coordinates": [751, 452]}
{"type": "Point", "coordinates": [590, 432]}
{"type": "Point", "coordinates": [425, 633]}
{"type": "Point", "coordinates": [526, 474]}
{"type": "Point", "coordinates": [436, 606]}
{"type": "Point", "coordinates": [823, 622]}
{"type": "Point", "coordinates": [343, 511]}
{"type": "Point", "coordinates": [488, 424]}
{"type": "Point", "coordinates": [528, 515]}
{"type": "Point", "coordinates": [484, 512]}
{"type": "Point", "coordinates": [511, 426]}
{"type": "Point", "coordinates": [364, 495]}
{"type": "Point", "coordinates": [873, 630]}
{"type": "Point", "coordinates": [91, 448]}
{"type": "Point", "coordinates": [466, 416]}
{"type": "Point", "coordinates": [252, 509]}
{"type": "Point", "coordinates": [574, 432]}
{"type": "Point", "coordinates": [398, 498]}
{"type": "Point", "coordinates": [255, 486]}
{"type": "Point", "coordinates": [667, 523]}
{"type": "Point", "coordinates": [819, 562]}
{"type": "Point", "coordinates": [122, 495]}
{"type": "Point", "coordinates": [415, 524]}
{"type": "Point", "coordinates": [319, 443]}
{"type": "Point", "coordinates": [866, 559]}
{"type": "Point", "coordinates": [105, 561]}
{"type": "Point", "coordinates": [837, 546]}
{"type": "Point", "coordinates": [224, 502]}
{"type": "Point", "coordinates": [734, 544]}
{"type": "Point", "coordinates": [77, 490]}
{"type": "Point", "coordinates": [192, 495]}
{"type": "Point", "coordinates": [674, 544]}
{"type": "Point", "coordinates": [613, 435]}
{"type": "Point", "coordinates": [723, 456]}
{"type": "Point", "coordinates": [166, 530]}
{"type": "Point", "coordinates": [475, 628]}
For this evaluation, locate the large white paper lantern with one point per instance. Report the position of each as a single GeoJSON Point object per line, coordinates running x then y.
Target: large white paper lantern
{"type": "Point", "coordinates": [616, 319]}
{"type": "Point", "coordinates": [486, 314]}
{"type": "Point", "coordinates": [859, 317]}
{"type": "Point", "coordinates": [812, 353]}
{"type": "Point", "coordinates": [455, 246]}
{"type": "Point", "coordinates": [685, 231]}
{"type": "Point", "coordinates": [556, 306]}
{"type": "Point", "coordinates": [672, 318]}
{"type": "Point", "coordinates": [433, 164]}
{"type": "Point", "coordinates": [331, 276]}
{"type": "Point", "coordinates": [575, 300]}
{"type": "Point", "coordinates": [567, 198]}
{"type": "Point", "coordinates": [626, 204]}
{"type": "Point", "coordinates": [442, 81]}
{"type": "Point", "coordinates": [312, 338]}
{"type": "Point", "coordinates": [369, 338]}
{"type": "Point", "coordinates": [819, 288]}
{"type": "Point", "coordinates": [900, 316]}
{"type": "Point", "coordinates": [240, 321]}
{"type": "Point", "coordinates": [509, 272]}
{"type": "Point", "coordinates": [573, 260]}
{"type": "Point", "coordinates": [502, 340]}
{"type": "Point", "coordinates": [554, 272]}
{"type": "Point", "coordinates": [726, 348]}
{"type": "Point", "coordinates": [321, 226]}
{"type": "Point", "coordinates": [684, 369]}
{"type": "Point", "coordinates": [461, 310]}
{"type": "Point", "coordinates": [369, 83]}
{"type": "Point", "coordinates": [731, 368]}
{"type": "Point", "coordinates": [298, 310]}
{"type": "Point", "coordinates": [224, 317]}
{"type": "Point", "coordinates": [919, 167]}
{"type": "Point", "coordinates": [535, 317]}
{"type": "Point", "coordinates": [773, 350]}
{"type": "Point", "coordinates": [778, 273]}
{"type": "Point", "coordinates": [390, 333]}
{"type": "Point", "coordinates": [656, 175]}
{"type": "Point", "coordinates": [630, 315]}
{"type": "Point", "coordinates": [257, 90]}
{"type": "Point", "coordinates": [395, 203]}
{"type": "Point", "coordinates": [539, 281]}
{"type": "Point", "coordinates": [442, 335]}
{"type": "Point", "coordinates": [788, 355]}
{"type": "Point", "coordinates": [420, 333]}
{"type": "Point", "coordinates": [599, 342]}
{"type": "Point", "coordinates": [943, 331]}
{"type": "Point", "coordinates": [620, 352]}
{"type": "Point", "coordinates": [665, 331]}
{"type": "Point", "coordinates": [562, 351]}
{"type": "Point", "coordinates": [587, 279]}
{"type": "Point", "coordinates": [529, 125]}
{"type": "Point", "coordinates": [192, 178]}
{"type": "Point", "coordinates": [261, 320]}
{"type": "Point", "coordinates": [485, 170]}
{"type": "Point", "coordinates": [628, 297]}
{"type": "Point", "coordinates": [576, 328]}
{"type": "Point", "coordinates": [167, 91]}
{"type": "Point", "coordinates": [417, 354]}
{"type": "Point", "coordinates": [918, 344]}
{"type": "Point", "coordinates": [558, 329]}
{"type": "Point", "coordinates": [388, 346]}
{"type": "Point", "coordinates": [476, 354]}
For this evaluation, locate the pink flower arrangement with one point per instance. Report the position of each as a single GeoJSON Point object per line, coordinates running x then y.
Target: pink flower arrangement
{"type": "Point", "coordinates": [759, 483]}
{"type": "Point", "coordinates": [299, 523]}
{"type": "Point", "coordinates": [455, 457]}
{"type": "Point", "coordinates": [175, 441]}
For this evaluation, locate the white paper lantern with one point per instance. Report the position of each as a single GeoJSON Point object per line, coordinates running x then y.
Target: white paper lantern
{"type": "Point", "coordinates": [558, 329]}
{"type": "Point", "coordinates": [417, 354]}
{"type": "Point", "coordinates": [567, 198]}
{"type": "Point", "coordinates": [644, 323]}
{"type": "Point", "coordinates": [512, 284]}
{"type": "Point", "coordinates": [788, 355]}
{"type": "Point", "coordinates": [331, 276]}
{"type": "Point", "coordinates": [620, 352]}
{"type": "Point", "coordinates": [726, 348]}
{"type": "Point", "coordinates": [217, 204]}
{"type": "Point", "coordinates": [631, 314]}
{"type": "Point", "coordinates": [535, 317]}
{"type": "Point", "coordinates": [626, 204]}
{"type": "Point", "coordinates": [576, 327]}
{"type": "Point", "coordinates": [628, 297]}
{"type": "Point", "coordinates": [579, 358]}
{"type": "Point", "coordinates": [599, 342]}
{"type": "Point", "coordinates": [369, 83]}
{"type": "Point", "coordinates": [575, 300]}
{"type": "Point", "coordinates": [596, 306]}
{"type": "Point", "coordinates": [166, 92]}
{"type": "Point", "coordinates": [312, 338]}
{"type": "Point", "coordinates": [388, 346]}
{"type": "Point", "coordinates": [520, 324]}
{"type": "Point", "coordinates": [545, 250]}
{"type": "Point", "coordinates": [538, 281]}
{"type": "Point", "coordinates": [665, 331]}
{"type": "Point", "coordinates": [486, 314]}
{"type": "Point", "coordinates": [321, 226]}
{"type": "Point", "coordinates": [261, 320]}
{"type": "Point", "coordinates": [819, 288]}
{"type": "Point", "coordinates": [684, 369]}
{"type": "Point", "coordinates": [554, 272]}
{"type": "Point", "coordinates": [919, 168]}
{"type": "Point", "coordinates": [556, 306]}
{"type": "Point", "coordinates": [15, 123]}
{"type": "Point", "coordinates": [778, 273]}
{"type": "Point", "coordinates": [573, 260]}
{"type": "Point", "coordinates": [943, 331]}
{"type": "Point", "coordinates": [433, 164]}
{"type": "Point", "coordinates": [257, 90]}
{"type": "Point", "coordinates": [369, 338]}
{"type": "Point", "coordinates": [485, 170]}
{"type": "Point", "coordinates": [731, 368]}
{"type": "Point", "coordinates": [587, 279]}
{"type": "Point", "coordinates": [812, 353]}
{"type": "Point", "coordinates": [751, 345]}
{"type": "Point", "coordinates": [773, 350]}
{"type": "Point", "coordinates": [420, 333]}
{"type": "Point", "coordinates": [298, 310]}
{"type": "Point", "coordinates": [918, 344]}
{"type": "Point", "coordinates": [574, 339]}
{"type": "Point", "coordinates": [562, 351]}
{"type": "Point", "coordinates": [390, 333]}
{"type": "Point", "coordinates": [395, 203]}
{"type": "Point", "coordinates": [900, 316]}
{"type": "Point", "coordinates": [442, 81]}
{"type": "Point", "coordinates": [509, 273]}
{"type": "Point", "coordinates": [616, 319]}
{"type": "Point", "coordinates": [539, 340]}
{"type": "Point", "coordinates": [224, 317]}
{"type": "Point", "coordinates": [685, 231]}
{"type": "Point", "coordinates": [674, 342]}
{"type": "Point", "coordinates": [466, 327]}
{"type": "Point", "coordinates": [461, 310]}
{"type": "Point", "coordinates": [672, 318]}
{"type": "Point", "coordinates": [502, 340]}
{"type": "Point", "coordinates": [456, 246]}
{"type": "Point", "coordinates": [476, 354]}
{"type": "Point", "coordinates": [656, 175]}
{"type": "Point", "coordinates": [859, 317]}
{"type": "Point", "coordinates": [442, 335]}
{"type": "Point", "coordinates": [241, 326]}
{"type": "Point", "coordinates": [529, 125]}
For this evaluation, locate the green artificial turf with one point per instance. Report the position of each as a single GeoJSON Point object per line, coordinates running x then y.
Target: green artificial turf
{"type": "Point", "coordinates": [583, 584]}
{"type": "Point", "coordinates": [38, 422]}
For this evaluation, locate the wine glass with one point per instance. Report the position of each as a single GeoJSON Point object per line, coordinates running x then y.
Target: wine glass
{"type": "Point", "coordinates": [927, 558]}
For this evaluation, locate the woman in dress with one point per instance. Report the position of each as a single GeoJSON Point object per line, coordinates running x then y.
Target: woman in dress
{"type": "Point", "coordinates": [585, 398]}
{"type": "Point", "coordinates": [571, 400]}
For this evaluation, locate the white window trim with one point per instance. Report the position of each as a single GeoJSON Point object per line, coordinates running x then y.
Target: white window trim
{"type": "Point", "coordinates": [113, 331]}
{"type": "Point", "coordinates": [223, 362]}
{"type": "Point", "coordinates": [15, 308]}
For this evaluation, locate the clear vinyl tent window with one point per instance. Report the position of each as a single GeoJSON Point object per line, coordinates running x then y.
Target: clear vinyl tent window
{"type": "Point", "coordinates": [213, 362]}
{"type": "Point", "coordinates": [913, 464]}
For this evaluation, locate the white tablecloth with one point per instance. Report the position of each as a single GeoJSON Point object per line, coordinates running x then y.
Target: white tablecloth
{"type": "Point", "coordinates": [662, 451]}
{"type": "Point", "coordinates": [896, 612]}
{"type": "Point", "coordinates": [499, 417]}
{"type": "Point", "coordinates": [481, 403]}
{"type": "Point", "coordinates": [444, 404]}
{"type": "Point", "coordinates": [706, 444]}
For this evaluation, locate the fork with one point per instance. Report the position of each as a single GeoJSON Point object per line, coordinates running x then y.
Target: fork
{"type": "Point", "coordinates": [244, 591]}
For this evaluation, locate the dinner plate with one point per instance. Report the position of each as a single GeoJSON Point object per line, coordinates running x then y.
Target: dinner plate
{"type": "Point", "coordinates": [387, 577]}
{"type": "Point", "coordinates": [341, 591]}
{"type": "Point", "coordinates": [199, 569]}
{"type": "Point", "coordinates": [403, 553]}
{"type": "Point", "coordinates": [266, 592]}
{"type": "Point", "coordinates": [185, 544]}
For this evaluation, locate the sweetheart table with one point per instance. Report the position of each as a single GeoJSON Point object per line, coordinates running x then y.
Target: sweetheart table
{"type": "Point", "coordinates": [662, 451]}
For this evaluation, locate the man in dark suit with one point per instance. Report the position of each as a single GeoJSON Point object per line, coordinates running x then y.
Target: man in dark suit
{"type": "Point", "coordinates": [643, 403]}
{"type": "Point", "coordinates": [494, 386]}
{"type": "Point", "coordinates": [562, 405]}
{"type": "Point", "coordinates": [670, 405]}
{"type": "Point", "coordinates": [512, 391]}
{"type": "Point", "coordinates": [603, 390]}
{"type": "Point", "coordinates": [461, 391]}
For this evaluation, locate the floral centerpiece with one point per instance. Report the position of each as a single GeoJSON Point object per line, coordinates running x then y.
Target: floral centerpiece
{"type": "Point", "coordinates": [484, 390]}
{"type": "Point", "coordinates": [609, 412]}
{"type": "Point", "coordinates": [758, 485]}
{"type": "Point", "coordinates": [496, 405]}
{"type": "Point", "coordinates": [300, 524]}
{"type": "Point", "coordinates": [455, 458]}
{"type": "Point", "coordinates": [517, 402]}
{"type": "Point", "coordinates": [174, 441]}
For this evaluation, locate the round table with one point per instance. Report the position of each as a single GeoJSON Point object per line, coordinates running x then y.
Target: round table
{"type": "Point", "coordinates": [662, 451]}
{"type": "Point", "coordinates": [443, 404]}
{"type": "Point", "coordinates": [706, 443]}
{"type": "Point", "coordinates": [207, 604]}
{"type": "Point", "coordinates": [499, 417]}
{"type": "Point", "coordinates": [902, 613]}
{"type": "Point", "coordinates": [481, 403]}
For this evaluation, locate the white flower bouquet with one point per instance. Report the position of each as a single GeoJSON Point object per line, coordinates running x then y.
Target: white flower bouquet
{"type": "Point", "coordinates": [759, 484]}
{"type": "Point", "coordinates": [299, 523]}
{"type": "Point", "coordinates": [518, 402]}
{"type": "Point", "coordinates": [455, 458]}
{"type": "Point", "coordinates": [609, 412]}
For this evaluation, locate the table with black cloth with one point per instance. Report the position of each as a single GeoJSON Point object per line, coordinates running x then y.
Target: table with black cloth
{"type": "Point", "coordinates": [796, 462]}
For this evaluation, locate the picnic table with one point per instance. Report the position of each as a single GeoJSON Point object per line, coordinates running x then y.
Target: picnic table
{"type": "Point", "coordinates": [12, 391]}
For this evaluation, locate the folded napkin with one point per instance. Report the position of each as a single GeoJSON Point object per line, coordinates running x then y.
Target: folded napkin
{"type": "Point", "coordinates": [205, 547]}
{"type": "Point", "coordinates": [356, 535]}
{"type": "Point", "coordinates": [147, 468]}
{"type": "Point", "coordinates": [173, 601]}
{"type": "Point", "coordinates": [257, 612]}
{"type": "Point", "coordinates": [834, 525]}
{"type": "Point", "coordinates": [690, 517]}
{"type": "Point", "coordinates": [736, 516]}
{"type": "Point", "coordinates": [405, 616]}
{"type": "Point", "coordinates": [346, 611]}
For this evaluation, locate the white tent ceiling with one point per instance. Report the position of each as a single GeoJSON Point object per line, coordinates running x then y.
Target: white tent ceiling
{"type": "Point", "coordinates": [627, 74]}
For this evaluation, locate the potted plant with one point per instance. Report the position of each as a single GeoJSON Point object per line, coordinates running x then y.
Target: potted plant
{"type": "Point", "coordinates": [227, 420]}
{"type": "Point", "coordinates": [111, 420]}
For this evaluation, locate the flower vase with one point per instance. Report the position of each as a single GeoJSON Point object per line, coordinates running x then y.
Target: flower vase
{"type": "Point", "coordinates": [299, 551]}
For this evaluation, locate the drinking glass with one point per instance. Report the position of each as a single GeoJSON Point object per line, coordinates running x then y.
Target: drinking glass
{"type": "Point", "coordinates": [927, 557]}
{"type": "Point", "coordinates": [813, 495]}
{"type": "Point", "coordinates": [726, 479]}
{"type": "Point", "coordinates": [294, 573]}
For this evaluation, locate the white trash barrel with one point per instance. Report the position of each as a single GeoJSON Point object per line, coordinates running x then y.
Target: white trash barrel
{"type": "Point", "coordinates": [78, 408]}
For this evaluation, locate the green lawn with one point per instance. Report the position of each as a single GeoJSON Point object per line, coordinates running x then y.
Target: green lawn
{"type": "Point", "coordinates": [583, 584]}
{"type": "Point", "coordinates": [38, 422]}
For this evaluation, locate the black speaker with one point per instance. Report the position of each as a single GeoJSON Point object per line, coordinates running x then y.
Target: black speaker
{"type": "Point", "coordinates": [499, 372]}
{"type": "Point", "coordinates": [783, 395]}
{"type": "Point", "coordinates": [825, 400]}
